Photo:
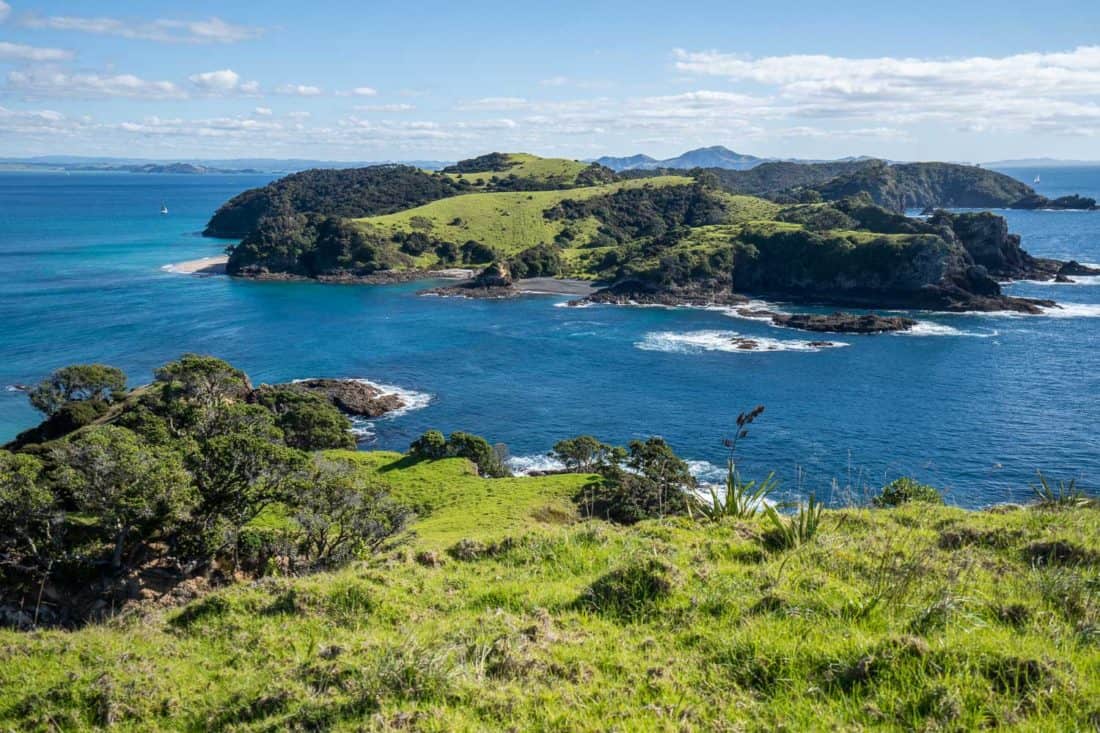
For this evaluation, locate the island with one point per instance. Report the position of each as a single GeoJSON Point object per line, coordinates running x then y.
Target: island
{"type": "Point", "coordinates": [831, 234]}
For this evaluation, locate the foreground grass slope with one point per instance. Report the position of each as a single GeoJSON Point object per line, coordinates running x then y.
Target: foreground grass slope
{"type": "Point", "coordinates": [922, 617]}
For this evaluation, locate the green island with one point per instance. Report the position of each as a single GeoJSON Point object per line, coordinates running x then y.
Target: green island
{"type": "Point", "coordinates": [199, 553]}
{"type": "Point", "coordinates": [829, 233]}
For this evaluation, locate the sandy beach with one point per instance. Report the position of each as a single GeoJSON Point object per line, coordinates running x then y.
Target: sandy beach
{"type": "Point", "coordinates": [204, 266]}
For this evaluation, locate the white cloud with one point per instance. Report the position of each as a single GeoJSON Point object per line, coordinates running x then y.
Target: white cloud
{"type": "Point", "coordinates": [5, 11]}
{"type": "Point", "coordinates": [218, 127]}
{"type": "Point", "coordinates": [298, 90]}
{"type": "Point", "coordinates": [40, 122]}
{"type": "Point", "coordinates": [20, 52]}
{"type": "Point", "coordinates": [555, 81]}
{"type": "Point", "coordinates": [51, 83]}
{"type": "Point", "coordinates": [359, 92]}
{"type": "Point", "coordinates": [1046, 92]}
{"type": "Point", "coordinates": [385, 107]}
{"type": "Point", "coordinates": [299, 115]}
{"type": "Point", "coordinates": [263, 111]}
{"type": "Point", "coordinates": [210, 30]}
{"type": "Point", "coordinates": [494, 104]}
{"type": "Point", "coordinates": [223, 81]}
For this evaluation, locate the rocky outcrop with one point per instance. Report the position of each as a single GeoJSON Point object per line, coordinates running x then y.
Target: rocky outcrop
{"type": "Point", "coordinates": [494, 282]}
{"type": "Point", "coordinates": [638, 292]}
{"type": "Point", "coordinates": [1038, 201]}
{"type": "Point", "coordinates": [354, 397]}
{"type": "Point", "coordinates": [841, 322]}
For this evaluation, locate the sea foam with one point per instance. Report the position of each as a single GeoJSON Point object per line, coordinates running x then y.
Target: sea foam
{"type": "Point", "coordinates": [694, 342]}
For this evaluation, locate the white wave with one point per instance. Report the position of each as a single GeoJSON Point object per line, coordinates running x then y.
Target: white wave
{"type": "Point", "coordinates": [931, 328]}
{"type": "Point", "coordinates": [14, 388]}
{"type": "Point", "coordinates": [571, 304]}
{"type": "Point", "coordinates": [1073, 310]}
{"type": "Point", "coordinates": [413, 400]}
{"type": "Point", "coordinates": [707, 472]}
{"type": "Point", "coordinates": [1086, 280]}
{"type": "Point", "coordinates": [534, 463]}
{"type": "Point", "coordinates": [735, 311]}
{"type": "Point", "coordinates": [694, 342]}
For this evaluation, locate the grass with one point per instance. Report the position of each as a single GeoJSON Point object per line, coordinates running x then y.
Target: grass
{"type": "Point", "coordinates": [560, 171]}
{"type": "Point", "coordinates": [508, 221]}
{"type": "Point", "coordinates": [916, 617]}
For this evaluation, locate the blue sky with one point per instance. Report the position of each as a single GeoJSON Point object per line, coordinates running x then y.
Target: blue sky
{"type": "Point", "coordinates": [442, 80]}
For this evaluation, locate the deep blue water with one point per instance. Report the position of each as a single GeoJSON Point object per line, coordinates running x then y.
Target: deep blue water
{"type": "Point", "coordinates": [973, 404]}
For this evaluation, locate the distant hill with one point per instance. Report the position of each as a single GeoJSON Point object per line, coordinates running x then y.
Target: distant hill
{"type": "Point", "coordinates": [715, 156]}
{"type": "Point", "coordinates": [1041, 163]}
{"type": "Point", "coordinates": [195, 165]}
{"type": "Point", "coordinates": [630, 162]}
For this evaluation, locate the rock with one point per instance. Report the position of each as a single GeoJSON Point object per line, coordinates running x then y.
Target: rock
{"type": "Point", "coordinates": [1073, 267]}
{"type": "Point", "coordinates": [745, 344]}
{"type": "Point", "coordinates": [429, 559]}
{"type": "Point", "coordinates": [354, 397]}
{"type": "Point", "coordinates": [496, 275]}
{"type": "Point", "coordinates": [840, 322]}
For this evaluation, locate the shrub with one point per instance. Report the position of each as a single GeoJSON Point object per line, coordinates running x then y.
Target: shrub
{"type": "Point", "coordinates": [655, 486]}
{"type": "Point", "coordinates": [902, 490]}
{"type": "Point", "coordinates": [1063, 495]}
{"type": "Point", "coordinates": [430, 446]}
{"type": "Point", "coordinates": [790, 532]}
{"type": "Point", "coordinates": [630, 591]}
{"type": "Point", "coordinates": [77, 383]}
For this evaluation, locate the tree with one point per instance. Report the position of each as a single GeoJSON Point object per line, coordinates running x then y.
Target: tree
{"type": "Point", "coordinates": [76, 383]}
{"type": "Point", "coordinates": [127, 485]}
{"type": "Point", "coordinates": [429, 446]}
{"type": "Point", "coordinates": [585, 454]}
{"type": "Point", "coordinates": [309, 422]}
{"type": "Point", "coordinates": [478, 450]}
{"type": "Point", "coordinates": [654, 486]}
{"type": "Point", "coordinates": [341, 514]}
{"type": "Point", "coordinates": [205, 380]}
{"type": "Point", "coordinates": [237, 476]}
{"type": "Point", "coordinates": [28, 511]}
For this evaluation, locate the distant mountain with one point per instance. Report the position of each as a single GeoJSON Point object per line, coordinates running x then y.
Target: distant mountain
{"type": "Point", "coordinates": [629, 163]}
{"type": "Point", "coordinates": [715, 156]}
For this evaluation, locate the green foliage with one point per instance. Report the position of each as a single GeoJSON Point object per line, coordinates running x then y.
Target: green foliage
{"type": "Point", "coordinates": [312, 245]}
{"type": "Point", "coordinates": [542, 260]}
{"type": "Point", "coordinates": [339, 515]}
{"type": "Point", "coordinates": [348, 192]}
{"type": "Point", "coordinates": [308, 421]}
{"type": "Point", "coordinates": [791, 532]}
{"type": "Point", "coordinates": [28, 510]}
{"type": "Point", "coordinates": [433, 446]}
{"type": "Point", "coordinates": [1063, 495]}
{"type": "Point", "coordinates": [205, 380]}
{"type": "Point", "coordinates": [630, 592]}
{"type": "Point", "coordinates": [905, 489]}
{"type": "Point", "coordinates": [77, 383]}
{"type": "Point", "coordinates": [655, 486]}
{"type": "Point", "coordinates": [133, 489]}
{"type": "Point", "coordinates": [586, 454]}
{"type": "Point", "coordinates": [742, 500]}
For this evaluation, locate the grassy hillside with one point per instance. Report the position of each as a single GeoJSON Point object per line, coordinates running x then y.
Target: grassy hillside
{"type": "Point", "coordinates": [507, 221]}
{"type": "Point", "coordinates": [921, 617]}
{"type": "Point", "coordinates": [553, 171]}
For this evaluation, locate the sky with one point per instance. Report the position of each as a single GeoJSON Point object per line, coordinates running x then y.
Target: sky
{"type": "Point", "coordinates": [967, 81]}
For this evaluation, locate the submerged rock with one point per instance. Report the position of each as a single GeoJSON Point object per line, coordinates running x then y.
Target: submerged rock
{"type": "Point", "coordinates": [354, 397]}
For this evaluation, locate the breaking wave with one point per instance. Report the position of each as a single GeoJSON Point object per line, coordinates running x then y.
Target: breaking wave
{"type": "Point", "coordinates": [695, 342]}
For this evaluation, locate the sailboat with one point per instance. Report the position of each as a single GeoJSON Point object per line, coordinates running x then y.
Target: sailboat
{"type": "Point", "coordinates": [163, 209]}
{"type": "Point", "coordinates": [1036, 180]}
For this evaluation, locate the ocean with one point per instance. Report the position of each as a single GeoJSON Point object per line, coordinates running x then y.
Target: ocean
{"type": "Point", "coordinates": [974, 404]}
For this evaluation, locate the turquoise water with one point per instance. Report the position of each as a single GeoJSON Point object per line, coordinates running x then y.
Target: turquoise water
{"type": "Point", "coordinates": [972, 403]}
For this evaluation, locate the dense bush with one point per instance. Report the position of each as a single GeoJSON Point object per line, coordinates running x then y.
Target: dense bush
{"type": "Point", "coordinates": [350, 192]}
{"type": "Point", "coordinates": [652, 484]}
{"type": "Point", "coordinates": [902, 490]}
{"type": "Point", "coordinates": [542, 260]}
{"type": "Point", "coordinates": [649, 211]}
{"type": "Point", "coordinates": [77, 383]}
{"type": "Point", "coordinates": [312, 245]}
{"type": "Point", "coordinates": [488, 459]}
{"type": "Point", "coordinates": [182, 472]}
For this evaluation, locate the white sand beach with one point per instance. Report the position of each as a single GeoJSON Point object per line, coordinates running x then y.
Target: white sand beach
{"type": "Point", "coordinates": [204, 266]}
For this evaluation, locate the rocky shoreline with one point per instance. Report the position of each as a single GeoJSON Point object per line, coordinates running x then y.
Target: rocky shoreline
{"type": "Point", "coordinates": [353, 397]}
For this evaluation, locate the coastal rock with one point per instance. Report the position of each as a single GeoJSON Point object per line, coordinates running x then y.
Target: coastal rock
{"type": "Point", "coordinates": [841, 322]}
{"type": "Point", "coordinates": [1037, 201]}
{"type": "Point", "coordinates": [636, 292]}
{"type": "Point", "coordinates": [492, 283]}
{"type": "Point", "coordinates": [354, 397]}
{"type": "Point", "coordinates": [1073, 268]}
